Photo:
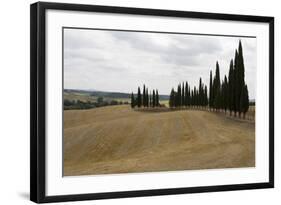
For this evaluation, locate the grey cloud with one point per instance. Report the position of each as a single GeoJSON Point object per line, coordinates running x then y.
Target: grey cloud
{"type": "Point", "coordinates": [175, 53]}
{"type": "Point", "coordinates": [92, 58]}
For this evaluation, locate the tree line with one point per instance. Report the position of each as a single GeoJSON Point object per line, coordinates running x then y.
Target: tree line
{"type": "Point", "coordinates": [185, 96]}
{"type": "Point", "coordinates": [100, 102]}
{"type": "Point", "coordinates": [145, 99]}
{"type": "Point", "coordinates": [230, 94]}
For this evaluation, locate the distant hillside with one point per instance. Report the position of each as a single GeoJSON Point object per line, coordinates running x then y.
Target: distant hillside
{"type": "Point", "coordinates": [107, 94]}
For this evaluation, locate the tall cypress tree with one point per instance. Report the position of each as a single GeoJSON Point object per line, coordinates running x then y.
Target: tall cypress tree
{"type": "Point", "coordinates": [143, 96]}
{"type": "Point", "coordinates": [211, 91]}
{"type": "Point", "coordinates": [150, 99]}
{"type": "Point", "coordinates": [206, 96]}
{"type": "Point", "coordinates": [189, 96]}
{"type": "Point", "coordinates": [157, 98]}
{"type": "Point", "coordinates": [146, 98]}
{"type": "Point", "coordinates": [182, 95]}
{"type": "Point", "coordinates": [236, 94]}
{"type": "Point", "coordinates": [139, 97]}
{"type": "Point", "coordinates": [153, 98]}
{"type": "Point", "coordinates": [132, 100]}
{"type": "Point", "coordinates": [178, 101]}
{"type": "Point", "coordinates": [195, 96]}
{"type": "Point", "coordinates": [217, 87]}
{"type": "Point", "coordinates": [172, 98]}
{"type": "Point", "coordinates": [244, 100]}
{"type": "Point", "coordinates": [224, 94]}
{"type": "Point", "coordinates": [192, 98]}
{"type": "Point", "coordinates": [241, 76]}
{"type": "Point", "coordinates": [200, 92]}
{"type": "Point", "coordinates": [231, 88]}
{"type": "Point", "coordinates": [186, 94]}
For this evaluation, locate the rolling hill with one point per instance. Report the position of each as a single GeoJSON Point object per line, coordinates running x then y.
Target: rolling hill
{"type": "Point", "coordinates": [117, 139]}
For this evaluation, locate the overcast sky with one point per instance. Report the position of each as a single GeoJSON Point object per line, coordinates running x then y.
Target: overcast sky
{"type": "Point", "coordinates": [121, 61]}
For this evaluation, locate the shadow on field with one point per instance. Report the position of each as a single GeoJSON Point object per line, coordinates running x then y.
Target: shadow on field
{"type": "Point", "coordinates": [221, 113]}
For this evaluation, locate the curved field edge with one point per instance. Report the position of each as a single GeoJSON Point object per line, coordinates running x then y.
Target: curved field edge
{"type": "Point", "coordinates": [117, 139]}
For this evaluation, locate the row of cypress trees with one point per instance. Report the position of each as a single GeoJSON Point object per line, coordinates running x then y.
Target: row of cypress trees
{"type": "Point", "coordinates": [232, 93]}
{"type": "Point", "coordinates": [145, 99]}
{"type": "Point", "coordinates": [185, 96]}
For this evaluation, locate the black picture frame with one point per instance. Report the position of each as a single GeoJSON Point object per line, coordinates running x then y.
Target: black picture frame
{"type": "Point", "coordinates": [38, 101]}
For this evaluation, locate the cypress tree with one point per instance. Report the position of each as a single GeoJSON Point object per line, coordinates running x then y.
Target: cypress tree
{"type": "Point", "coordinates": [132, 100]}
{"type": "Point", "coordinates": [186, 94]}
{"type": "Point", "coordinates": [153, 99]}
{"type": "Point", "coordinates": [182, 95]}
{"type": "Point", "coordinates": [206, 96]}
{"type": "Point", "coordinates": [147, 98]}
{"type": "Point", "coordinates": [192, 98]}
{"type": "Point", "coordinates": [150, 100]}
{"type": "Point", "coordinates": [225, 94]}
{"type": "Point", "coordinates": [211, 91]}
{"type": "Point", "coordinates": [231, 88]}
{"type": "Point", "coordinates": [139, 97]}
{"type": "Point", "coordinates": [178, 101]}
{"type": "Point", "coordinates": [195, 96]}
{"type": "Point", "coordinates": [143, 96]}
{"type": "Point", "coordinates": [157, 99]}
{"type": "Point", "coordinates": [244, 100]}
{"type": "Point", "coordinates": [241, 76]}
{"type": "Point", "coordinates": [217, 87]}
{"type": "Point", "coordinates": [172, 99]}
{"type": "Point", "coordinates": [236, 95]}
{"type": "Point", "coordinates": [179, 93]}
{"type": "Point", "coordinates": [189, 96]}
{"type": "Point", "coordinates": [200, 92]}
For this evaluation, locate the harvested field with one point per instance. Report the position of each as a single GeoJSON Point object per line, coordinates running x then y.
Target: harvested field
{"type": "Point", "coordinates": [117, 139]}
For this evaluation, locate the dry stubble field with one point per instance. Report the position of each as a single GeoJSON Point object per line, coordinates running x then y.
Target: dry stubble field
{"type": "Point", "coordinates": [117, 139]}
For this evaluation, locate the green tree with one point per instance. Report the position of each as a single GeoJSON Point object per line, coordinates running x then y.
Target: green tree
{"type": "Point", "coordinates": [100, 100]}
{"type": "Point", "coordinates": [143, 96]}
{"type": "Point", "coordinates": [139, 98]}
{"type": "Point", "coordinates": [153, 99]}
{"type": "Point", "coordinates": [182, 95]}
{"type": "Point", "coordinates": [240, 76]}
{"type": "Point", "coordinates": [147, 98]}
{"type": "Point", "coordinates": [206, 96]}
{"type": "Point", "coordinates": [132, 100]}
{"type": "Point", "coordinates": [178, 96]}
{"type": "Point", "coordinates": [244, 100]}
{"type": "Point", "coordinates": [224, 97]}
{"type": "Point", "coordinates": [186, 94]}
{"type": "Point", "coordinates": [195, 97]}
{"type": "Point", "coordinates": [236, 95]}
{"type": "Point", "coordinates": [231, 88]}
{"type": "Point", "coordinates": [150, 100]}
{"type": "Point", "coordinates": [200, 89]}
{"type": "Point", "coordinates": [189, 96]}
{"type": "Point", "coordinates": [157, 99]}
{"type": "Point", "coordinates": [192, 98]}
{"type": "Point", "coordinates": [211, 91]}
{"type": "Point", "coordinates": [172, 98]}
{"type": "Point", "coordinates": [217, 88]}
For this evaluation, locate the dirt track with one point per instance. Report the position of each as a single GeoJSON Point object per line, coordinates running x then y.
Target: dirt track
{"type": "Point", "coordinates": [116, 139]}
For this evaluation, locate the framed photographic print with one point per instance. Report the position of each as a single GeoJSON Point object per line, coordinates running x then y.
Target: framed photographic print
{"type": "Point", "coordinates": [129, 102]}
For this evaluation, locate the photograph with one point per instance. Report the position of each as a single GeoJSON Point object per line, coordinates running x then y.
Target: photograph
{"type": "Point", "coordinates": [148, 101]}
{"type": "Point", "coordinates": [139, 101]}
